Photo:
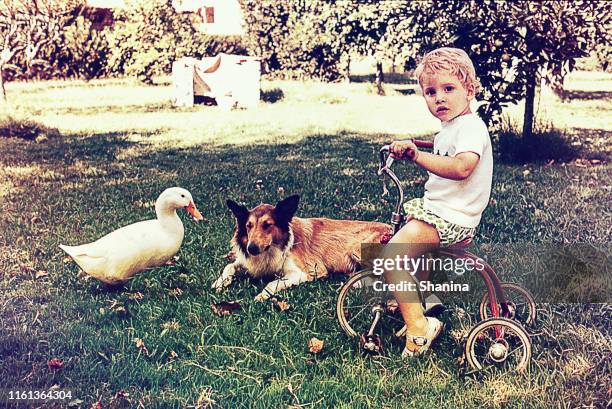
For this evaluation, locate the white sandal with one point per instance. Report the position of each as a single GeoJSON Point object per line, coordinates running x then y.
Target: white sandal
{"type": "Point", "coordinates": [434, 328]}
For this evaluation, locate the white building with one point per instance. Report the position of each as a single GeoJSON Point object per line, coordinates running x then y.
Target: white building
{"type": "Point", "coordinates": [217, 17]}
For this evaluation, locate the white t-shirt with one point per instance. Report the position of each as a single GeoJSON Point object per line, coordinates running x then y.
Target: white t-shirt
{"type": "Point", "coordinates": [462, 201]}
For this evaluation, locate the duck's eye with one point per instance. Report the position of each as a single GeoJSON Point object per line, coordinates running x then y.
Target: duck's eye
{"type": "Point", "coordinates": [182, 195]}
{"type": "Point", "coordinates": [249, 225]}
{"type": "Point", "coordinates": [266, 225]}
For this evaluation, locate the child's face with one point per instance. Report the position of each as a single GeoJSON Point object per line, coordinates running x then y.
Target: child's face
{"type": "Point", "coordinates": [446, 96]}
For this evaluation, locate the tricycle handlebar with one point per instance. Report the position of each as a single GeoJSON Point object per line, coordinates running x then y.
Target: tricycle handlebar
{"type": "Point", "coordinates": [386, 160]}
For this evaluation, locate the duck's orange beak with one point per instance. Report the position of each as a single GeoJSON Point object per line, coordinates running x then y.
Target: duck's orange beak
{"type": "Point", "coordinates": [191, 209]}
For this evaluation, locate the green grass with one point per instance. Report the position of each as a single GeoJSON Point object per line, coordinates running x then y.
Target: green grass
{"type": "Point", "coordinates": [122, 144]}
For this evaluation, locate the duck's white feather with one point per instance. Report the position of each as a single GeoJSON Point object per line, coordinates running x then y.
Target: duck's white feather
{"type": "Point", "coordinates": [122, 253]}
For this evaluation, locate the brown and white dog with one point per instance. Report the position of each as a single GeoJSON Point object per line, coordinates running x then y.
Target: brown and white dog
{"type": "Point", "coordinates": [270, 241]}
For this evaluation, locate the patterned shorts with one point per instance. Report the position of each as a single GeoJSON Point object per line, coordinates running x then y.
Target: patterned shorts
{"type": "Point", "coordinates": [449, 233]}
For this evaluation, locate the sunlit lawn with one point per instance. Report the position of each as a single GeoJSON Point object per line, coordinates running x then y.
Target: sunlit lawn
{"type": "Point", "coordinates": [122, 144]}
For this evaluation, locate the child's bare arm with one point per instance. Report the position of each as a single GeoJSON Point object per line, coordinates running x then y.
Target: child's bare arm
{"type": "Point", "coordinates": [457, 168]}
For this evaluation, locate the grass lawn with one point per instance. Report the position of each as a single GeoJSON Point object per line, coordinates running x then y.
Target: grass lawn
{"type": "Point", "coordinates": [157, 343]}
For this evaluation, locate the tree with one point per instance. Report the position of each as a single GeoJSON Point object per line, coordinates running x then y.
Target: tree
{"type": "Point", "coordinates": [12, 21]}
{"type": "Point", "coordinates": [359, 28]}
{"type": "Point", "coordinates": [28, 27]}
{"type": "Point", "coordinates": [515, 44]}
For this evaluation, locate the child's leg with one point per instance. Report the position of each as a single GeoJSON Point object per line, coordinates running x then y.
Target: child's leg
{"type": "Point", "coordinates": [418, 238]}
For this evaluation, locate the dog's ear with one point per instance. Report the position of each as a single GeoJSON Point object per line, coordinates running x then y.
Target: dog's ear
{"type": "Point", "coordinates": [286, 208]}
{"type": "Point", "coordinates": [241, 212]}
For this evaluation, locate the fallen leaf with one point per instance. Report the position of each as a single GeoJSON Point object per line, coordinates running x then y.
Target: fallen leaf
{"type": "Point", "coordinates": [526, 172]}
{"type": "Point", "coordinates": [96, 405]}
{"type": "Point", "coordinates": [173, 325]}
{"type": "Point", "coordinates": [136, 296]}
{"type": "Point", "coordinates": [315, 345]}
{"type": "Point", "coordinates": [282, 305]}
{"type": "Point", "coordinates": [205, 400]}
{"type": "Point", "coordinates": [117, 307]}
{"type": "Point", "coordinates": [492, 202]}
{"type": "Point", "coordinates": [176, 292]}
{"type": "Point", "coordinates": [66, 259]}
{"type": "Point", "coordinates": [141, 346]}
{"type": "Point", "coordinates": [26, 268]}
{"type": "Point", "coordinates": [225, 308]}
{"type": "Point", "coordinates": [173, 355]}
{"type": "Point", "coordinates": [41, 273]}
{"type": "Point", "coordinates": [122, 397]}
{"type": "Point", "coordinates": [55, 363]}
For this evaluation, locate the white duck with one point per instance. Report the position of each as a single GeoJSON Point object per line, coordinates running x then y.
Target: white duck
{"type": "Point", "coordinates": [122, 253]}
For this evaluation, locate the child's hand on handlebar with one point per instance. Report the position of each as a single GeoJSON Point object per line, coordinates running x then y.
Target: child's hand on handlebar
{"type": "Point", "coordinates": [405, 149]}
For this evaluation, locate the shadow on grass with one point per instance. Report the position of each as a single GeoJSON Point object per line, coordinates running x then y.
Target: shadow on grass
{"type": "Point", "coordinates": [513, 148]}
{"type": "Point", "coordinates": [390, 78]}
{"type": "Point", "coordinates": [272, 95]}
{"type": "Point", "coordinates": [108, 109]}
{"type": "Point", "coordinates": [26, 129]}
{"type": "Point", "coordinates": [569, 95]}
{"type": "Point", "coordinates": [406, 91]}
{"type": "Point", "coordinates": [552, 145]}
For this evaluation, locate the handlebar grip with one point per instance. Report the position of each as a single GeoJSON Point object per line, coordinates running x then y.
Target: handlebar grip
{"type": "Point", "coordinates": [423, 144]}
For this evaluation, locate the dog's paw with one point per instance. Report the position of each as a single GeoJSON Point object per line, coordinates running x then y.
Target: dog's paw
{"type": "Point", "coordinates": [261, 297]}
{"type": "Point", "coordinates": [221, 284]}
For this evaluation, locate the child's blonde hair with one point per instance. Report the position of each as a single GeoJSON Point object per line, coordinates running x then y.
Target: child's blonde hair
{"type": "Point", "coordinates": [453, 60]}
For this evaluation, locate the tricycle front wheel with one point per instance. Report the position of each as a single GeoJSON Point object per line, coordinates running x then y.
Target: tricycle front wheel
{"type": "Point", "coordinates": [359, 299]}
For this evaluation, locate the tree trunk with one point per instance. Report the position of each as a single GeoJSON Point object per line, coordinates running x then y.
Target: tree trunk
{"type": "Point", "coordinates": [347, 68]}
{"type": "Point", "coordinates": [380, 78]}
{"type": "Point", "coordinates": [529, 104]}
{"type": "Point", "coordinates": [2, 84]}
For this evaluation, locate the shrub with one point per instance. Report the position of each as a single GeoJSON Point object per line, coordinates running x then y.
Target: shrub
{"type": "Point", "coordinates": [25, 129]}
{"type": "Point", "coordinates": [85, 50]}
{"type": "Point", "coordinates": [545, 145]}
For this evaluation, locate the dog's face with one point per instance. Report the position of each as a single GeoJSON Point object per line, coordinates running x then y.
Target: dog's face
{"type": "Point", "coordinates": [265, 226]}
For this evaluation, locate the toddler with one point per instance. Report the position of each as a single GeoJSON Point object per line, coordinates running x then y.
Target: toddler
{"type": "Point", "coordinates": [459, 185]}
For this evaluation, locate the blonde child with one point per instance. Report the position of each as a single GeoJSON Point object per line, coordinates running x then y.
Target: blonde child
{"type": "Point", "coordinates": [459, 184]}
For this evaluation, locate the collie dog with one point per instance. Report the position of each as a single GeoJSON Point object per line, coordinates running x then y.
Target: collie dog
{"type": "Point", "coordinates": [270, 241]}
